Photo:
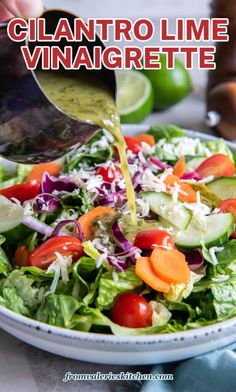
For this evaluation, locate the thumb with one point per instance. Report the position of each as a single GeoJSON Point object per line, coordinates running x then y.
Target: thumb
{"type": "Point", "coordinates": [25, 8]}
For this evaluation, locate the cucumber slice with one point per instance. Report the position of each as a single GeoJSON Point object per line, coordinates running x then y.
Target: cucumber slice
{"type": "Point", "coordinates": [219, 228]}
{"type": "Point", "coordinates": [192, 164]}
{"type": "Point", "coordinates": [224, 187]}
{"type": "Point", "coordinates": [11, 214]}
{"type": "Point", "coordinates": [162, 204]}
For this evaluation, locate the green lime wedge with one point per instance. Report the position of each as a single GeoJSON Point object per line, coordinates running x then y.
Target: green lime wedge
{"type": "Point", "coordinates": [135, 96]}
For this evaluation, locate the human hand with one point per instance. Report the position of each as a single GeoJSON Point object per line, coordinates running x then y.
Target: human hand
{"type": "Point", "coordinates": [20, 8]}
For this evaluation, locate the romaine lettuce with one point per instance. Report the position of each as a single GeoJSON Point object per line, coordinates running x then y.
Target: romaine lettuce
{"type": "Point", "coordinates": [109, 288]}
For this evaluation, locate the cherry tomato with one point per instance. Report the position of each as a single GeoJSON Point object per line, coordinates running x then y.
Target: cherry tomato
{"type": "Point", "coordinates": [233, 235]}
{"type": "Point", "coordinates": [110, 174]}
{"type": "Point", "coordinates": [229, 205]}
{"type": "Point", "coordinates": [131, 310]}
{"type": "Point", "coordinates": [133, 144]}
{"type": "Point", "coordinates": [217, 165]}
{"type": "Point", "coordinates": [22, 192]}
{"type": "Point", "coordinates": [150, 239]}
{"type": "Point", "coordinates": [44, 255]}
{"type": "Point", "coordinates": [21, 258]}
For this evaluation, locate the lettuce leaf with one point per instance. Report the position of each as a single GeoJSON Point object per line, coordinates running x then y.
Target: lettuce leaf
{"type": "Point", "coordinates": [109, 288]}
{"type": "Point", "coordinates": [22, 171]}
{"type": "Point", "coordinates": [37, 274]}
{"type": "Point", "coordinates": [180, 291]}
{"type": "Point", "coordinates": [11, 300]}
{"type": "Point", "coordinates": [66, 311]}
{"type": "Point", "coordinates": [225, 298]}
{"type": "Point", "coordinates": [165, 131]}
{"type": "Point", "coordinates": [77, 200]}
{"type": "Point", "coordinates": [18, 235]}
{"type": "Point", "coordinates": [88, 156]}
{"type": "Point", "coordinates": [227, 257]}
{"type": "Point", "coordinates": [219, 146]}
{"type": "Point", "coordinates": [5, 266]}
{"type": "Point", "coordinates": [16, 177]}
{"type": "Point", "coordinates": [21, 287]}
{"type": "Point", "coordinates": [203, 303]}
{"type": "Point", "coordinates": [57, 310]}
{"type": "Point", "coordinates": [88, 277]}
{"type": "Point", "coordinates": [181, 311]}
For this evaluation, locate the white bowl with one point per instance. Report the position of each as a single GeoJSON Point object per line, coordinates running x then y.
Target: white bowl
{"type": "Point", "coordinates": [103, 348]}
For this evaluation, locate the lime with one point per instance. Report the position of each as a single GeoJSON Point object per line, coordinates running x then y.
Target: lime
{"type": "Point", "coordinates": [170, 85]}
{"type": "Point", "coordinates": [135, 96]}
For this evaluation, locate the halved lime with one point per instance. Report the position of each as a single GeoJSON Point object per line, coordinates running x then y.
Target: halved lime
{"type": "Point", "coordinates": [135, 96]}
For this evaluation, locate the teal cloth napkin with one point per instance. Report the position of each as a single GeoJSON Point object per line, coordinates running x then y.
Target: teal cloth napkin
{"type": "Point", "coordinates": [213, 372]}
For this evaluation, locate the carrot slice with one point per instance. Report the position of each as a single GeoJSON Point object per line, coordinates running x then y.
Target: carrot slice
{"type": "Point", "coordinates": [186, 193]}
{"type": "Point", "coordinates": [37, 172]}
{"type": "Point", "coordinates": [87, 220]}
{"type": "Point", "coordinates": [180, 167]}
{"type": "Point", "coordinates": [144, 271]}
{"type": "Point", "coordinates": [170, 265]}
{"type": "Point", "coordinates": [144, 137]}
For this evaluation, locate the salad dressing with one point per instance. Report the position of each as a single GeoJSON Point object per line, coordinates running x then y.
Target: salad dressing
{"type": "Point", "coordinates": [87, 99]}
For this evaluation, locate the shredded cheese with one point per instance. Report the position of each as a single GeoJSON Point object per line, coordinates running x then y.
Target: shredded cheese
{"type": "Point", "coordinates": [212, 252]}
{"type": "Point", "coordinates": [59, 268]}
{"type": "Point", "coordinates": [115, 276]}
{"type": "Point", "coordinates": [199, 210]}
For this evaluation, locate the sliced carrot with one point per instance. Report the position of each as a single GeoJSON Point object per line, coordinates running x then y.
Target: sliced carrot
{"type": "Point", "coordinates": [88, 219]}
{"type": "Point", "coordinates": [144, 271]}
{"type": "Point", "coordinates": [21, 258]}
{"type": "Point", "coordinates": [144, 137]}
{"type": "Point", "coordinates": [180, 167]}
{"type": "Point", "coordinates": [37, 172]}
{"type": "Point", "coordinates": [186, 193]}
{"type": "Point", "coordinates": [170, 265]}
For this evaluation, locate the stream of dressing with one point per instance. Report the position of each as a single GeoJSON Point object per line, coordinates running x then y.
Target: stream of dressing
{"type": "Point", "coordinates": [86, 98]}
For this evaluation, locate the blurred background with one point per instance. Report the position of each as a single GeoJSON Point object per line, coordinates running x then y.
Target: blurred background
{"type": "Point", "coordinates": [190, 112]}
{"type": "Point", "coordinates": [134, 8]}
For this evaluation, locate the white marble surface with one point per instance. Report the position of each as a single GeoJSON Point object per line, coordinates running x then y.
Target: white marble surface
{"type": "Point", "coordinates": [22, 367]}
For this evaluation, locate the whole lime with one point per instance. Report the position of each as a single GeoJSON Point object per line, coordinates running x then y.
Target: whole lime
{"type": "Point", "coordinates": [169, 85]}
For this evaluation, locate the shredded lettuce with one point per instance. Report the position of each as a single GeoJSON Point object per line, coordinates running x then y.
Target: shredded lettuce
{"type": "Point", "coordinates": [161, 314]}
{"type": "Point", "coordinates": [180, 291]}
{"type": "Point", "coordinates": [110, 286]}
{"type": "Point", "coordinates": [20, 286]}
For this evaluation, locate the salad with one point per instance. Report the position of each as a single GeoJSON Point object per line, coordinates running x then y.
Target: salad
{"type": "Point", "coordinates": [72, 257]}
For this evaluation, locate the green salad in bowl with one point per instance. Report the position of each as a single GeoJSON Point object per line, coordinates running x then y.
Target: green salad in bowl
{"type": "Point", "coordinates": [71, 256]}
